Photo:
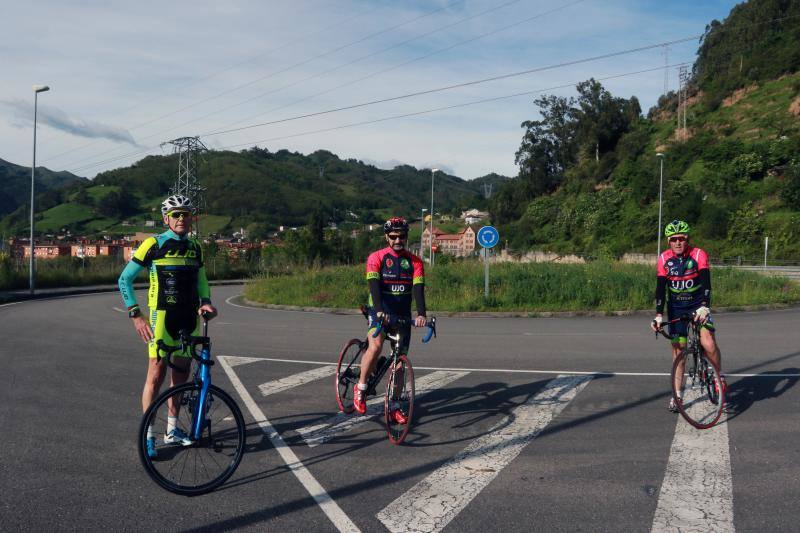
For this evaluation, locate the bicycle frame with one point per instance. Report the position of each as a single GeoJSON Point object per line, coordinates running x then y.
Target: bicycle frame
{"type": "Point", "coordinates": [202, 375]}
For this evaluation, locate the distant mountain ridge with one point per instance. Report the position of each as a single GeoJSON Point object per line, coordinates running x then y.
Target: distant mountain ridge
{"type": "Point", "coordinates": [16, 181]}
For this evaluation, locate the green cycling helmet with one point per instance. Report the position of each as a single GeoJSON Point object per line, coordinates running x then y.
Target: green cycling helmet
{"type": "Point", "coordinates": [676, 226]}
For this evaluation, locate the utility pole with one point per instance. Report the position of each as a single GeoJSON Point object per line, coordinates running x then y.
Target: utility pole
{"type": "Point", "coordinates": [683, 76]}
{"type": "Point", "coordinates": [666, 69]}
{"type": "Point", "coordinates": [187, 184]}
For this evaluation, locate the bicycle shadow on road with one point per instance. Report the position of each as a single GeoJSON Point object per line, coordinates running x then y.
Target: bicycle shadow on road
{"type": "Point", "coordinates": [743, 393]}
{"type": "Point", "coordinates": [478, 403]}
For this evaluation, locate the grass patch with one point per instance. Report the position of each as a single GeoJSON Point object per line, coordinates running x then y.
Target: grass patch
{"type": "Point", "coordinates": [62, 216]}
{"type": "Point", "coordinates": [597, 286]}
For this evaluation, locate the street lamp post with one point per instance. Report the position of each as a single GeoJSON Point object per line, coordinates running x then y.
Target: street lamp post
{"type": "Point", "coordinates": [660, 194]}
{"type": "Point", "coordinates": [422, 230]}
{"type": "Point", "coordinates": [433, 172]}
{"type": "Point", "coordinates": [36, 90]}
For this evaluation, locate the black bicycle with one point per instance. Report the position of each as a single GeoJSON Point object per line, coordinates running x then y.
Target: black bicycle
{"type": "Point", "coordinates": [205, 444]}
{"type": "Point", "coordinates": [398, 404]}
{"type": "Point", "coordinates": [697, 386]}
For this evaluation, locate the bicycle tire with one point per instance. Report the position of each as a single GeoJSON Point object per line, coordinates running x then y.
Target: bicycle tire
{"type": "Point", "coordinates": [227, 443]}
{"type": "Point", "coordinates": [348, 370]}
{"type": "Point", "coordinates": [702, 400]}
{"type": "Point", "coordinates": [402, 399]}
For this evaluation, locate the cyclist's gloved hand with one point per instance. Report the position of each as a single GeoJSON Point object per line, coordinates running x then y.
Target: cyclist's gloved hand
{"type": "Point", "coordinates": [381, 316]}
{"type": "Point", "coordinates": [420, 321]}
{"type": "Point", "coordinates": [701, 315]}
{"type": "Point", "coordinates": [656, 324]}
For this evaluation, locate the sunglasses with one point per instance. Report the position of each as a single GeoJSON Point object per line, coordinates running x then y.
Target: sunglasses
{"type": "Point", "coordinates": [179, 215]}
{"type": "Point", "coordinates": [677, 239]}
{"type": "Point", "coordinates": [397, 237]}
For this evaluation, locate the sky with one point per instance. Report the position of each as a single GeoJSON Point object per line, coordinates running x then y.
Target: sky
{"type": "Point", "coordinates": [126, 77]}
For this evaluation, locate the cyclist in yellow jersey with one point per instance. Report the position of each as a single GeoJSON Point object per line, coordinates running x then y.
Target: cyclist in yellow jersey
{"type": "Point", "coordinates": [179, 292]}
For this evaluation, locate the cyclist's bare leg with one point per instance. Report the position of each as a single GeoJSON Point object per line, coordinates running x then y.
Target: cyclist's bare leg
{"type": "Point", "coordinates": [709, 342]}
{"type": "Point", "coordinates": [370, 356]}
{"type": "Point", "coordinates": [152, 383]}
{"type": "Point", "coordinates": [677, 348]}
{"type": "Point", "coordinates": [177, 378]}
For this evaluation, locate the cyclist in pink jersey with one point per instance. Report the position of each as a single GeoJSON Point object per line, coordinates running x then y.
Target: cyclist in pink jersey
{"type": "Point", "coordinates": [683, 274]}
{"type": "Point", "coordinates": [395, 276]}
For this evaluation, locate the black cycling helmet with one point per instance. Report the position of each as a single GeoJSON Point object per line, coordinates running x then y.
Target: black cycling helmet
{"type": "Point", "coordinates": [395, 224]}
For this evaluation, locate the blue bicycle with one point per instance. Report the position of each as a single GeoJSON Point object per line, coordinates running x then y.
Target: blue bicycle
{"type": "Point", "coordinates": [203, 435]}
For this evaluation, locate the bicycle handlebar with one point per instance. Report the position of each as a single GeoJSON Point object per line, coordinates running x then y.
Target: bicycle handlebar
{"type": "Point", "coordinates": [683, 318]}
{"type": "Point", "coordinates": [431, 325]}
{"type": "Point", "coordinates": [189, 342]}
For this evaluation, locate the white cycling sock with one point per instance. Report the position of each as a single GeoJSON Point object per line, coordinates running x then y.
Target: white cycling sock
{"type": "Point", "coordinates": [151, 433]}
{"type": "Point", "coordinates": [362, 386]}
{"type": "Point", "coordinates": [172, 423]}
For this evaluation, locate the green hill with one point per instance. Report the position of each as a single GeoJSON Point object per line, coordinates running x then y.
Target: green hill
{"type": "Point", "coordinates": [255, 189]}
{"type": "Point", "coordinates": [16, 182]}
{"type": "Point", "coordinates": [589, 174]}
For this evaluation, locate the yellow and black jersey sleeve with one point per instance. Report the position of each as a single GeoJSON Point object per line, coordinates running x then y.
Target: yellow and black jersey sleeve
{"type": "Point", "coordinates": [144, 253]}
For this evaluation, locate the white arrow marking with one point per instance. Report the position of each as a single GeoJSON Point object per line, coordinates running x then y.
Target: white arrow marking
{"type": "Point", "coordinates": [295, 380]}
{"type": "Point", "coordinates": [433, 502]}
{"type": "Point", "coordinates": [697, 492]}
{"type": "Point", "coordinates": [236, 361]}
{"type": "Point", "coordinates": [316, 434]}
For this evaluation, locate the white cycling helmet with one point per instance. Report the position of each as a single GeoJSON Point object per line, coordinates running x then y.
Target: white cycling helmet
{"type": "Point", "coordinates": [176, 201]}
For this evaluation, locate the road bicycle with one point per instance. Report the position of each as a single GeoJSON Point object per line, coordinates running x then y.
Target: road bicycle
{"type": "Point", "coordinates": [211, 433]}
{"type": "Point", "coordinates": [699, 394]}
{"type": "Point", "coordinates": [400, 385]}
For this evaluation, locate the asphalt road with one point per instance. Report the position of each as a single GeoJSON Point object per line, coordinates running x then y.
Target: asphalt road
{"type": "Point", "coordinates": [515, 433]}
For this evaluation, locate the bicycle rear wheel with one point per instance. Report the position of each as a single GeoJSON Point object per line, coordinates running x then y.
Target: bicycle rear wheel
{"type": "Point", "coordinates": [348, 371]}
{"type": "Point", "coordinates": [703, 396]}
{"type": "Point", "coordinates": [204, 464]}
{"type": "Point", "coordinates": [398, 407]}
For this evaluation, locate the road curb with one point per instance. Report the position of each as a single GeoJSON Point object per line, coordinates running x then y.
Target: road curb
{"type": "Point", "coordinates": [12, 296]}
{"type": "Point", "coordinates": [511, 314]}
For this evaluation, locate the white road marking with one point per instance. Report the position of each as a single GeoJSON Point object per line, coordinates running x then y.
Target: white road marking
{"type": "Point", "coordinates": [545, 372]}
{"type": "Point", "coordinates": [117, 309]}
{"type": "Point", "coordinates": [697, 492]}
{"type": "Point", "coordinates": [433, 502]}
{"type": "Point", "coordinates": [295, 380]}
{"type": "Point", "coordinates": [12, 303]}
{"type": "Point", "coordinates": [331, 509]}
{"type": "Point", "coordinates": [317, 434]}
{"type": "Point", "coordinates": [236, 361]}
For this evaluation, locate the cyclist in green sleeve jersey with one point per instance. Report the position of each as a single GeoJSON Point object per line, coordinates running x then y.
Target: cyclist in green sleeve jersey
{"type": "Point", "coordinates": [179, 292]}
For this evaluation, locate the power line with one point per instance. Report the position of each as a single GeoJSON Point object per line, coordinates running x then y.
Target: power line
{"type": "Point", "coordinates": [277, 72]}
{"type": "Point", "coordinates": [444, 108]}
{"type": "Point", "coordinates": [419, 58]}
{"type": "Point", "coordinates": [348, 63]}
{"type": "Point", "coordinates": [420, 93]}
{"type": "Point", "coordinates": [227, 69]}
{"type": "Point", "coordinates": [455, 86]}
{"type": "Point", "coordinates": [623, 52]}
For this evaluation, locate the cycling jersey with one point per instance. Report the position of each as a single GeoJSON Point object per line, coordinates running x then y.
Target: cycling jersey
{"type": "Point", "coordinates": [397, 273]}
{"type": "Point", "coordinates": [178, 284]}
{"type": "Point", "coordinates": [688, 279]}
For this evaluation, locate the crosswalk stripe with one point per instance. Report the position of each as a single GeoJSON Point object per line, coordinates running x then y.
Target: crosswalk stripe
{"type": "Point", "coordinates": [316, 434]}
{"type": "Point", "coordinates": [331, 509]}
{"type": "Point", "coordinates": [697, 492]}
{"type": "Point", "coordinates": [295, 380]}
{"type": "Point", "coordinates": [433, 502]}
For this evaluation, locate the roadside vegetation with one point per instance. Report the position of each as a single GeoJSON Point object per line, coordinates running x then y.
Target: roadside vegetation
{"type": "Point", "coordinates": [532, 287]}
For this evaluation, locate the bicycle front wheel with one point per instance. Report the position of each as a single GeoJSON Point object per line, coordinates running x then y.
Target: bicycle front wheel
{"type": "Point", "coordinates": [184, 465]}
{"type": "Point", "coordinates": [699, 395]}
{"type": "Point", "coordinates": [348, 371]}
{"type": "Point", "coordinates": [398, 406]}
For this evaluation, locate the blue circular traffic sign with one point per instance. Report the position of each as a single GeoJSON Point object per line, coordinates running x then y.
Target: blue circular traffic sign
{"type": "Point", "coordinates": [488, 237]}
